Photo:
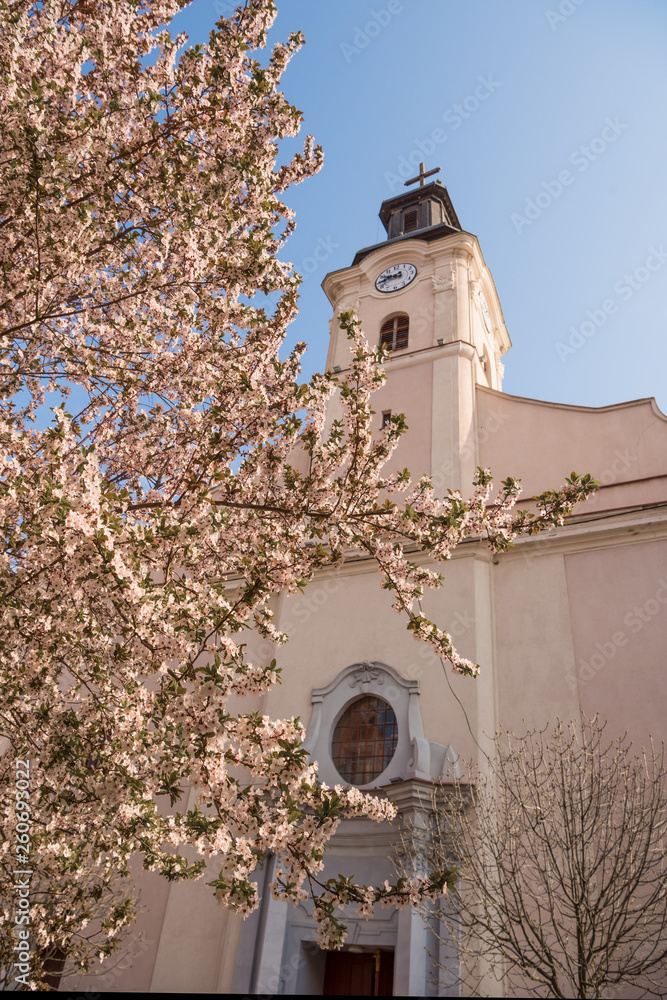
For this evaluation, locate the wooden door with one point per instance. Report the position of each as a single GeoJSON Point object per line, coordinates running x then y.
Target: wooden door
{"type": "Point", "coordinates": [366, 974]}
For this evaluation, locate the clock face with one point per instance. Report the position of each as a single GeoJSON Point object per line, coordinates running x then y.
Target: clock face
{"type": "Point", "coordinates": [486, 315]}
{"type": "Point", "coordinates": [395, 277]}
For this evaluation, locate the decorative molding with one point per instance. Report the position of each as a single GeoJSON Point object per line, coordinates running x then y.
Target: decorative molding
{"type": "Point", "coordinates": [444, 283]}
{"type": "Point", "coordinates": [365, 674]}
{"type": "Point", "coordinates": [391, 675]}
{"type": "Point", "coordinates": [462, 347]}
{"type": "Point", "coordinates": [366, 677]}
{"type": "Point", "coordinates": [416, 794]}
{"type": "Point", "coordinates": [432, 761]}
{"type": "Point", "coordinates": [414, 250]}
{"type": "Point", "coordinates": [352, 304]}
{"type": "Point", "coordinates": [415, 756]}
{"type": "Point", "coordinates": [467, 253]}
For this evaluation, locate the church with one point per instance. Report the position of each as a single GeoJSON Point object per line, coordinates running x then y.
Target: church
{"type": "Point", "coordinates": [569, 622]}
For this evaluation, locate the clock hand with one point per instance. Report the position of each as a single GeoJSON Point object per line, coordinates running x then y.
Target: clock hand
{"type": "Point", "coordinates": [391, 277]}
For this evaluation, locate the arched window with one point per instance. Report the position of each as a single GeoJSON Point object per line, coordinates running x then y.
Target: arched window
{"type": "Point", "coordinates": [364, 740]}
{"type": "Point", "coordinates": [394, 333]}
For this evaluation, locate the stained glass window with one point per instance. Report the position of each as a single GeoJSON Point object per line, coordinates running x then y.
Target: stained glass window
{"type": "Point", "coordinates": [364, 740]}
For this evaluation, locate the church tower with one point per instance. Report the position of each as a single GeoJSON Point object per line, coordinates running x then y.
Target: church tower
{"type": "Point", "coordinates": [426, 293]}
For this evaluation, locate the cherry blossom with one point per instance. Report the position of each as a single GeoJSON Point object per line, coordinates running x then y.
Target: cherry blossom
{"type": "Point", "coordinates": [184, 477]}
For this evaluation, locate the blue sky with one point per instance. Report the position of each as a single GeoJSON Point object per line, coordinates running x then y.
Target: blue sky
{"type": "Point", "coordinates": [560, 104]}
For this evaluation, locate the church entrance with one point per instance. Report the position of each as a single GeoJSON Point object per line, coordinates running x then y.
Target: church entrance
{"type": "Point", "coordinates": [362, 974]}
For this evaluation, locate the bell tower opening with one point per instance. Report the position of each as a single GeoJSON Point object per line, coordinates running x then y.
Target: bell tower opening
{"type": "Point", "coordinates": [422, 208]}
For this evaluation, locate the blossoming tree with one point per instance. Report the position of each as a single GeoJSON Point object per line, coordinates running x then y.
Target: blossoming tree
{"type": "Point", "coordinates": [140, 222]}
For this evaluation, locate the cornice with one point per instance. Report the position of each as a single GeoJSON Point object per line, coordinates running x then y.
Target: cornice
{"type": "Point", "coordinates": [600, 530]}
{"type": "Point", "coordinates": [406, 359]}
{"type": "Point", "coordinates": [461, 244]}
{"type": "Point", "coordinates": [351, 675]}
{"type": "Point", "coordinates": [416, 795]}
{"type": "Point", "coordinates": [391, 253]}
{"type": "Point", "coordinates": [648, 401]}
{"type": "Point", "coordinates": [617, 528]}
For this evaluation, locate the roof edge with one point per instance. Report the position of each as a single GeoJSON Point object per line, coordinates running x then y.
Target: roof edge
{"type": "Point", "coordinates": [650, 400]}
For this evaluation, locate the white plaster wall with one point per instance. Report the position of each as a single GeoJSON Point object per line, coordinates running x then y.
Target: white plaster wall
{"type": "Point", "coordinates": [534, 649]}
{"type": "Point", "coordinates": [542, 442]}
{"type": "Point", "coordinates": [618, 609]}
{"type": "Point", "coordinates": [352, 620]}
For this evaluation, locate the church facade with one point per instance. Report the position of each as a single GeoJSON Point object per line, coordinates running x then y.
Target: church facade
{"type": "Point", "coordinates": [568, 623]}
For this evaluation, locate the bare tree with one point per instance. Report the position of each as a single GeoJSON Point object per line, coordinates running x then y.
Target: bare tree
{"type": "Point", "coordinates": [561, 845]}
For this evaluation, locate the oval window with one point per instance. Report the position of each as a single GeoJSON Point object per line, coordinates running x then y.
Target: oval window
{"type": "Point", "coordinates": [364, 740]}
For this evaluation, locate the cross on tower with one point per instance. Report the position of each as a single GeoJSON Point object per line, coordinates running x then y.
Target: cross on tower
{"type": "Point", "coordinates": [422, 175]}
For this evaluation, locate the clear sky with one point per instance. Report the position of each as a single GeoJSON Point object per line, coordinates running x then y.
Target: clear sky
{"type": "Point", "coordinates": [548, 118]}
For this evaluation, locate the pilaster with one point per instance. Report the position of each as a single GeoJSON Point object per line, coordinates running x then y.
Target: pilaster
{"type": "Point", "coordinates": [454, 450]}
{"type": "Point", "coordinates": [411, 965]}
{"type": "Point", "coordinates": [485, 684]}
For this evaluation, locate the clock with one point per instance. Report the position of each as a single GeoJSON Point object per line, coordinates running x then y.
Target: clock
{"type": "Point", "coordinates": [395, 277]}
{"type": "Point", "coordinates": [486, 315]}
